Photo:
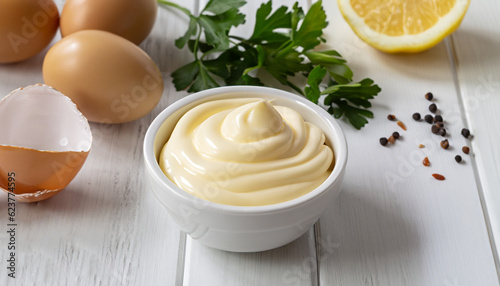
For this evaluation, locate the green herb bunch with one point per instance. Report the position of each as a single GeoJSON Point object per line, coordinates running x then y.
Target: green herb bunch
{"type": "Point", "coordinates": [282, 44]}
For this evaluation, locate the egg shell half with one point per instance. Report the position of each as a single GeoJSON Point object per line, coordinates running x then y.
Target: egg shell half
{"type": "Point", "coordinates": [44, 142]}
{"type": "Point", "coordinates": [39, 175]}
{"type": "Point", "coordinates": [109, 78]}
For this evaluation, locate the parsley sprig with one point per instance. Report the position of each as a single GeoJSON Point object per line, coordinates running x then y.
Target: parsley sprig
{"type": "Point", "coordinates": [283, 44]}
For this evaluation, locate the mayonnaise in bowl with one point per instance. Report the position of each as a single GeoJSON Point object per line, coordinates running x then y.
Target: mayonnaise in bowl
{"type": "Point", "coordinates": [260, 140]}
{"type": "Point", "coordinates": [246, 152]}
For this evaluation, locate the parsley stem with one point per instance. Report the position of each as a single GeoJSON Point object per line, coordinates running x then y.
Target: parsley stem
{"type": "Point", "coordinates": [196, 43]}
{"type": "Point", "coordinates": [238, 38]}
{"type": "Point", "coordinates": [283, 49]}
{"type": "Point", "coordinates": [171, 4]}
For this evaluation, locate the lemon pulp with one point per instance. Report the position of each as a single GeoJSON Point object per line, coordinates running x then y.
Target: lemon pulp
{"type": "Point", "coordinates": [403, 25]}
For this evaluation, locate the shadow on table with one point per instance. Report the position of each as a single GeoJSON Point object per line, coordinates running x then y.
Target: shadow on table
{"type": "Point", "coordinates": [354, 236]}
{"type": "Point", "coordinates": [293, 263]}
{"type": "Point", "coordinates": [432, 65]}
{"type": "Point", "coordinates": [22, 74]}
{"type": "Point", "coordinates": [79, 204]}
{"type": "Point", "coordinates": [370, 240]}
{"type": "Point", "coordinates": [466, 40]}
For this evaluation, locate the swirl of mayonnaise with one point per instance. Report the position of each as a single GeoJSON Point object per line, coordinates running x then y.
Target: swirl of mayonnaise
{"type": "Point", "coordinates": [246, 152]}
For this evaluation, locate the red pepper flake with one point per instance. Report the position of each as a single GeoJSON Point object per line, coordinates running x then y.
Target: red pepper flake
{"type": "Point", "coordinates": [426, 162]}
{"type": "Point", "coordinates": [445, 144]}
{"type": "Point", "coordinates": [402, 125]}
{"type": "Point", "coordinates": [391, 139]}
{"type": "Point", "coordinates": [438, 177]}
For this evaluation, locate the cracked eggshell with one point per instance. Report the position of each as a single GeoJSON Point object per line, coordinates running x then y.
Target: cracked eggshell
{"type": "Point", "coordinates": [44, 142]}
{"type": "Point", "coordinates": [26, 28]}
{"type": "Point", "coordinates": [110, 79]}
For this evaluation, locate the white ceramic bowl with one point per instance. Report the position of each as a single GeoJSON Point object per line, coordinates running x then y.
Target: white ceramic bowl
{"type": "Point", "coordinates": [243, 228]}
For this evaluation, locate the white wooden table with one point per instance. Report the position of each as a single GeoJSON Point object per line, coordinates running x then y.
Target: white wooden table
{"type": "Point", "coordinates": [392, 225]}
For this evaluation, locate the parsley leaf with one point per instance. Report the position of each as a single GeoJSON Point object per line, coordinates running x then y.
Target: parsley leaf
{"type": "Point", "coordinates": [356, 116]}
{"type": "Point", "coordinates": [266, 24]}
{"type": "Point", "coordinates": [185, 75]}
{"type": "Point", "coordinates": [283, 44]}
{"type": "Point", "coordinates": [193, 28]}
{"type": "Point", "coordinates": [313, 80]}
{"type": "Point", "coordinates": [222, 6]}
{"type": "Point", "coordinates": [347, 95]}
{"type": "Point", "coordinates": [216, 27]}
{"type": "Point", "coordinates": [202, 80]}
{"type": "Point", "coordinates": [311, 29]}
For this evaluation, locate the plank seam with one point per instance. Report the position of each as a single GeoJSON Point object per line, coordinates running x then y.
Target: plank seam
{"type": "Point", "coordinates": [450, 47]}
{"type": "Point", "coordinates": [179, 275]}
{"type": "Point", "coordinates": [197, 7]}
{"type": "Point", "coordinates": [317, 252]}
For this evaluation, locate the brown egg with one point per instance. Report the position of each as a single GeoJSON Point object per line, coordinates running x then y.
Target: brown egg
{"type": "Point", "coordinates": [44, 142]}
{"type": "Point", "coordinates": [26, 28]}
{"type": "Point", "coordinates": [110, 79]}
{"type": "Point", "coordinates": [131, 19]}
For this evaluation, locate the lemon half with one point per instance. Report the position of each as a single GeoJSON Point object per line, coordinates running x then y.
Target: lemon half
{"type": "Point", "coordinates": [403, 25]}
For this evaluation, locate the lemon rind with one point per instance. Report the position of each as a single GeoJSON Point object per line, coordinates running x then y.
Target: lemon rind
{"type": "Point", "coordinates": [405, 43]}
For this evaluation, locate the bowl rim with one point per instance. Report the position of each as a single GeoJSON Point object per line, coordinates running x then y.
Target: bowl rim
{"type": "Point", "coordinates": [154, 169]}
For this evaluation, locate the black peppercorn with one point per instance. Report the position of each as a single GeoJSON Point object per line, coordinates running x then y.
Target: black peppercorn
{"type": "Point", "coordinates": [466, 132]}
{"type": "Point", "coordinates": [433, 108]}
{"type": "Point", "coordinates": [428, 118]}
{"type": "Point", "coordinates": [383, 141]}
{"type": "Point", "coordinates": [416, 116]}
{"type": "Point", "coordinates": [429, 96]}
{"type": "Point", "coordinates": [442, 132]}
{"type": "Point", "coordinates": [434, 129]}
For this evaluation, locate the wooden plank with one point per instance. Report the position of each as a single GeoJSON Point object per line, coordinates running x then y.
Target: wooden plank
{"type": "Point", "coordinates": [106, 227]}
{"type": "Point", "coordinates": [394, 224]}
{"type": "Point", "coordinates": [293, 264]}
{"type": "Point", "coordinates": [477, 59]}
